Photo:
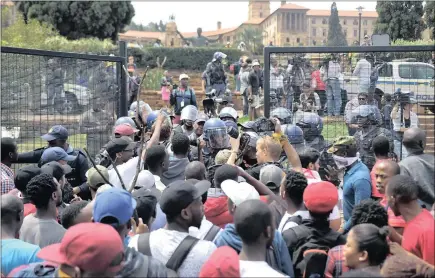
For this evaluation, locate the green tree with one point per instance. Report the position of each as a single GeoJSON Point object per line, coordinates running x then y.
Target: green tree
{"type": "Point", "coordinates": [400, 19]}
{"type": "Point", "coordinates": [252, 37]}
{"type": "Point", "coordinates": [429, 16]}
{"type": "Point", "coordinates": [335, 34]}
{"type": "Point", "coordinates": [81, 19]}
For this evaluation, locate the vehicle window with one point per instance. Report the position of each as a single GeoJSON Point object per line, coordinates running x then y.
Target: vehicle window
{"type": "Point", "coordinates": [423, 72]}
{"type": "Point", "coordinates": [386, 71]}
{"type": "Point", "coordinates": [405, 71]}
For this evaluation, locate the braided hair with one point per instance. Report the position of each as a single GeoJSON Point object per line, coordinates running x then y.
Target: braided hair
{"type": "Point", "coordinates": [40, 190]}
{"type": "Point", "coordinates": [295, 184]}
{"type": "Point", "coordinates": [369, 211]}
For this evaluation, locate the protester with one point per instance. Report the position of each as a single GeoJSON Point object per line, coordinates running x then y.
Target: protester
{"type": "Point", "coordinates": [146, 205]}
{"type": "Point", "coordinates": [42, 228]}
{"type": "Point", "coordinates": [97, 178]}
{"type": "Point", "coordinates": [76, 213]}
{"type": "Point", "coordinates": [419, 165]}
{"type": "Point", "coordinates": [180, 146]}
{"type": "Point", "coordinates": [223, 263]}
{"type": "Point", "coordinates": [381, 150]}
{"type": "Point", "coordinates": [405, 265]}
{"type": "Point", "coordinates": [124, 130]}
{"type": "Point", "coordinates": [402, 195]}
{"type": "Point", "coordinates": [272, 176]}
{"type": "Point", "coordinates": [22, 179]}
{"type": "Point", "coordinates": [15, 252]}
{"type": "Point", "coordinates": [9, 154]}
{"type": "Point", "coordinates": [195, 170]}
{"type": "Point", "coordinates": [157, 162]}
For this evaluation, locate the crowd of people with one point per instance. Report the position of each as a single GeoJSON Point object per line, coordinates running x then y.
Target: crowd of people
{"type": "Point", "coordinates": [185, 195]}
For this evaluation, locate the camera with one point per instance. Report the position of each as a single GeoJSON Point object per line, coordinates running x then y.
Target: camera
{"type": "Point", "coordinates": [263, 124]}
{"type": "Point", "coordinates": [402, 98]}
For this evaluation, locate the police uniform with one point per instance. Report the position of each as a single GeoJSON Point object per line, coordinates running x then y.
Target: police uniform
{"type": "Point", "coordinates": [216, 74]}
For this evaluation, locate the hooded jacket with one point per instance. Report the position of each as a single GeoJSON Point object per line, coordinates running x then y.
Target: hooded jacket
{"type": "Point", "coordinates": [138, 265]}
{"type": "Point", "coordinates": [229, 237]}
{"type": "Point", "coordinates": [175, 171]}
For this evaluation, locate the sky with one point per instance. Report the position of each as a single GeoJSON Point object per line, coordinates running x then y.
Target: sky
{"type": "Point", "coordinates": [191, 15]}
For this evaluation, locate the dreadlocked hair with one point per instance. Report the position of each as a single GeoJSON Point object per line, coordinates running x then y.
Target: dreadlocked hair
{"type": "Point", "coordinates": [369, 211]}
{"type": "Point", "coordinates": [295, 184]}
{"type": "Point", "coordinates": [40, 190]}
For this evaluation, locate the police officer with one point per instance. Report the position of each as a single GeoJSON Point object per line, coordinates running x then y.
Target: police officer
{"type": "Point", "coordinates": [368, 129]}
{"type": "Point", "coordinates": [283, 114]}
{"type": "Point", "coordinates": [216, 138]}
{"type": "Point", "coordinates": [312, 126]}
{"type": "Point", "coordinates": [188, 117]}
{"type": "Point", "coordinates": [57, 136]}
{"type": "Point", "coordinates": [228, 114]}
{"type": "Point", "coordinates": [295, 136]}
{"type": "Point", "coordinates": [216, 74]}
{"type": "Point", "coordinates": [249, 157]}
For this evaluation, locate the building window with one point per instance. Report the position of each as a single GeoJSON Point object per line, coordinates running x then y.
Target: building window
{"type": "Point", "coordinates": [313, 21]}
{"type": "Point", "coordinates": [345, 33]}
{"type": "Point", "coordinates": [365, 22]}
{"type": "Point", "coordinates": [324, 32]}
{"type": "Point", "coordinates": [355, 33]}
{"type": "Point", "coordinates": [365, 32]}
{"type": "Point", "coordinates": [314, 33]}
{"type": "Point", "coordinates": [298, 40]}
{"type": "Point", "coordinates": [324, 21]}
{"type": "Point", "coordinates": [355, 22]}
{"type": "Point", "coordinates": [228, 38]}
{"type": "Point", "coordinates": [344, 22]}
{"type": "Point", "coordinates": [287, 40]}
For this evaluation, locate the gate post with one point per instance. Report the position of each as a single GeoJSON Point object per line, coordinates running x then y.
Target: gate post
{"type": "Point", "coordinates": [123, 109]}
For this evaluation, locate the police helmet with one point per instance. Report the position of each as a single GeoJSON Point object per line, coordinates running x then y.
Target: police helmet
{"type": "Point", "coordinates": [228, 112]}
{"type": "Point", "coordinates": [311, 124]}
{"type": "Point", "coordinates": [219, 56]}
{"type": "Point", "coordinates": [364, 114]}
{"type": "Point", "coordinates": [253, 138]}
{"type": "Point", "coordinates": [125, 120]}
{"type": "Point", "coordinates": [284, 115]}
{"type": "Point", "coordinates": [152, 117]}
{"type": "Point", "coordinates": [294, 134]}
{"type": "Point", "coordinates": [189, 113]}
{"type": "Point", "coordinates": [215, 134]}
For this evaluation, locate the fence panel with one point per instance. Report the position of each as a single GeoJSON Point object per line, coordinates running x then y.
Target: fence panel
{"type": "Point", "coordinates": [328, 81]}
{"type": "Point", "coordinates": [40, 89]}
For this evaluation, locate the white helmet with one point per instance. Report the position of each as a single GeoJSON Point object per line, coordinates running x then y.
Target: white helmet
{"type": "Point", "coordinates": [189, 112]}
{"type": "Point", "coordinates": [228, 112]}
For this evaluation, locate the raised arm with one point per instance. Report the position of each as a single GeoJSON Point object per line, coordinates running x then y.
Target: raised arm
{"type": "Point", "coordinates": [214, 40]}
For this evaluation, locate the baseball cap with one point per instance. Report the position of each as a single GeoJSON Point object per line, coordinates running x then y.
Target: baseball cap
{"type": "Point", "coordinates": [178, 196]}
{"type": "Point", "coordinates": [201, 117]}
{"type": "Point", "coordinates": [94, 178]}
{"type": "Point", "coordinates": [24, 175]}
{"type": "Point", "coordinates": [146, 201]}
{"type": "Point", "coordinates": [114, 202]}
{"type": "Point", "coordinates": [92, 247]}
{"type": "Point", "coordinates": [239, 192]}
{"type": "Point", "coordinates": [56, 154]}
{"type": "Point", "coordinates": [55, 169]}
{"type": "Point", "coordinates": [183, 76]}
{"type": "Point", "coordinates": [271, 175]}
{"type": "Point", "coordinates": [255, 63]}
{"type": "Point", "coordinates": [202, 186]}
{"type": "Point", "coordinates": [125, 130]}
{"type": "Point", "coordinates": [117, 145]}
{"type": "Point", "coordinates": [103, 188]}
{"type": "Point", "coordinates": [320, 197]}
{"type": "Point", "coordinates": [247, 125]}
{"type": "Point", "coordinates": [145, 180]}
{"type": "Point", "coordinates": [56, 132]}
{"type": "Point", "coordinates": [223, 262]}
{"type": "Point", "coordinates": [342, 141]}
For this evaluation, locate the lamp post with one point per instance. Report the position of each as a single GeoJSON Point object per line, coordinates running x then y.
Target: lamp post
{"type": "Point", "coordinates": [360, 9]}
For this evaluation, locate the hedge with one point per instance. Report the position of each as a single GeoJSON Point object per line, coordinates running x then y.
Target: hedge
{"type": "Point", "coordinates": [181, 58]}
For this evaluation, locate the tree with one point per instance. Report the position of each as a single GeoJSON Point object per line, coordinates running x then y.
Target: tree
{"type": "Point", "coordinates": [400, 19]}
{"type": "Point", "coordinates": [335, 34]}
{"type": "Point", "coordinates": [81, 19]}
{"type": "Point", "coordinates": [252, 37]}
{"type": "Point", "coordinates": [429, 16]}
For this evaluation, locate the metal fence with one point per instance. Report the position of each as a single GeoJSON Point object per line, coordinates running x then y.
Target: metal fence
{"type": "Point", "coordinates": [328, 81]}
{"type": "Point", "coordinates": [40, 89]}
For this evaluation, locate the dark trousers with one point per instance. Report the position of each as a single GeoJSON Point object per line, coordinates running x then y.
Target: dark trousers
{"type": "Point", "coordinates": [322, 96]}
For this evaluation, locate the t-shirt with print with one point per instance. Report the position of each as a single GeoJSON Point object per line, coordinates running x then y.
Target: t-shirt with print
{"type": "Point", "coordinates": [418, 236]}
{"type": "Point", "coordinates": [304, 214]}
{"type": "Point", "coordinates": [163, 244]}
{"type": "Point", "coordinates": [258, 269]}
{"type": "Point", "coordinates": [15, 253]}
{"type": "Point", "coordinates": [41, 232]}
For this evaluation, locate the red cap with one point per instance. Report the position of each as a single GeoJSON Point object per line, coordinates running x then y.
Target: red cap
{"type": "Point", "coordinates": [224, 262]}
{"type": "Point", "coordinates": [125, 130]}
{"type": "Point", "coordinates": [320, 197]}
{"type": "Point", "coordinates": [92, 247]}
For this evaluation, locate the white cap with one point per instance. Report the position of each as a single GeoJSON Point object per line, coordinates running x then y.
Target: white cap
{"type": "Point", "coordinates": [183, 76]}
{"type": "Point", "coordinates": [255, 63]}
{"type": "Point", "coordinates": [145, 180]}
{"type": "Point", "coordinates": [239, 192]}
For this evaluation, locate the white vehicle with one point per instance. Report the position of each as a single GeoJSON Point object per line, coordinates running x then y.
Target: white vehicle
{"type": "Point", "coordinates": [75, 99]}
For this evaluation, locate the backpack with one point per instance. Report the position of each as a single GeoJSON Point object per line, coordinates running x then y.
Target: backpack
{"type": "Point", "coordinates": [44, 269]}
{"type": "Point", "coordinates": [212, 233]}
{"type": "Point", "coordinates": [179, 255]}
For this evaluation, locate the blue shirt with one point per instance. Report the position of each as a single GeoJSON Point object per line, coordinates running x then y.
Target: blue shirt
{"type": "Point", "coordinates": [16, 253]}
{"type": "Point", "coordinates": [356, 187]}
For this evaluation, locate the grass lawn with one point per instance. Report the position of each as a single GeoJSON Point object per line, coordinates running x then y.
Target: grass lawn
{"type": "Point", "coordinates": [76, 140]}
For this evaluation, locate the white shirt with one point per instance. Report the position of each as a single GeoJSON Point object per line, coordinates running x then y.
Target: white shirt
{"type": "Point", "coordinates": [159, 185]}
{"type": "Point", "coordinates": [363, 70]}
{"type": "Point", "coordinates": [304, 214]}
{"type": "Point", "coordinates": [163, 244]}
{"type": "Point", "coordinates": [396, 120]}
{"type": "Point", "coordinates": [127, 171]}
{"type": "Point", "coordinates": [203, 230]}
{"type": "Point", "coordinates": [334, 69]}
{"type": "Point", "coordinates": [258, 269]}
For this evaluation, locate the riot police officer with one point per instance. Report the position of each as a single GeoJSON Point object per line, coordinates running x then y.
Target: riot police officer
{"type": "Point", "coordinates": [284, 115]}
{"type": "Point", "coordinates": [295, 136]}
{"type": "Point", "coordinates": [312, 126]}
{"type": "Point", "coordinates": [228, 114]}
{"type": "Point", "coordinates": [216, 138]}
{"type": "Point", "coordinates": [249, 153]}
{"type": "Point", "coordinates": [368, 129]}
{"type": "Point", "coordinates": [216, 74]}
{"type": "Point", "coordinates": [188, 117]}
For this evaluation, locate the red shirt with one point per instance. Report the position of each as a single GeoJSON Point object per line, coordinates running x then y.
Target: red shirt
{"type": "Point", "coordinates": [393, 220]}
{"type": "Point", "coordinates": [418, 236]}
{"type": "Point", "coordinates": [320, 85]}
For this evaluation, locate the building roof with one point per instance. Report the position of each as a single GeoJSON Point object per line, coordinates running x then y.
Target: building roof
{"type": "Point", "coordinates": [254, 21]}
{"type": "Point", "coordinates": [210, 33]}
{"type": "Point", "coordinates": [6, 3]}
{"type": "Point", "coordinates": [291, 6]}
{"type": "Point", "coordinates": [342, 13]}
{"type": "Point", "coordinates": [141, 34]}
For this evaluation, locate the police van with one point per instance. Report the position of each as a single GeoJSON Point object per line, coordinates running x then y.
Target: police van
{"type": "Point", "coordinates": [408, 76]}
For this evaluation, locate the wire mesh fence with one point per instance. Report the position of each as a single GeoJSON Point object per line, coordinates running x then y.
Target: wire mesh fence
{"type": "Point", "coordinates": [326, 88]}
{"type": "Point", "coordinates": [41, 89]}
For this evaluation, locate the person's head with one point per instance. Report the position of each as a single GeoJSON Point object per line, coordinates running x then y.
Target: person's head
{"type": "Point", "coordinates": [369, 211]}
{"type": "Point", "coordinates": [199, 31]}
{"type": "Point", "coordinates": [184, 80]}
{"type": "Point", "coordinates": [146, 205]}
{"type": "Point", "coordinates": [57, 170]}
{"type": "Point", "coordinates": [293, 187]}
{"type": "Point", "coordinates": [365, 116]}
{"type": "Point", "coordinates": [9, 150]}
{"type": "Point", "coordinates": [23, 177]}
{"type": "Point", "coordinates": [225, 172]}
{"type": "Point", "coordinates": [215, 134]}
{"type": "Point", "coordinates": [121, 149]}
{"type": "Point", "coordinates": [366, 245]}
{"type": "Point", "coordinates": [180, 144]}
{"type": "Point", "coordinates": [414, 140]}
{"type": "Point", "coordinates": [195, 170]}
{"type": "Point", "coordinates": [95, 178]}
{"type": "Point", "coordinates": [188, 116]}
{"type": "Point", "coordinates": [237, 193]}
{"type": "Point", "coordinates": [182, 203]}
{"type": "Point", "coordinates": [401, 191]}
{"type": "Point", "coordinates": [157, 159]}
{"type": "Point", "coordinates": [381, 146]}
{"type": "Point", "coordinates": [310, 159]}
{"type": "Point", "coordinates": [199, 123]}
{"type": "Point", "coordinates": [87, 250]}
{"type": "Point", "coordinates": [222, 157]}
{"type": "Point", "coordinates": [272, 176]}
{"type": "Point", "coordinates": [56, 154]}
{"type": "Point", "coordinates": [320, 199]}
{"type": "Point", "coordinates": [254, 223]}
{"type": "Point", "coordinates": [256, 65]}
{"type": "Point", "coordinates": [12, 213]}
{"type": "Point", "coordinates": [223, 262]}
{"type": "Point", "coordinates": [44, 192]}
{"type": "Point", "coordinates": [130, 59]}
{"type": "Point", "coordinates": [405, 265]}
{"type": "Point", "coordinates": [306, 88]}
{"type": "Point", "coordinates": [363, 98]}
{"type": "Point", "coordinates": [75, 214]}
{"type": "Point", "coordinates": [114, 207]}
{"type": "Point", "coordinates": [145, 180]}
{"type": "Point", "coordinates": [344, 151]}
{"type": "Point", "coordinates": [56, 137]}
{"type": "Point", "coordinates": [268, 150]}
{"type": "Point", "coordinates": [384, 170]}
